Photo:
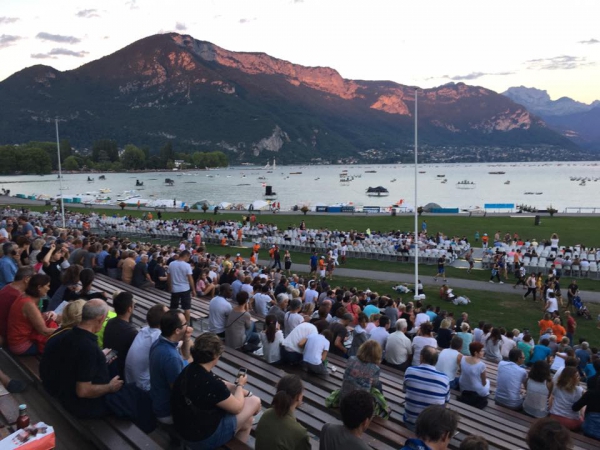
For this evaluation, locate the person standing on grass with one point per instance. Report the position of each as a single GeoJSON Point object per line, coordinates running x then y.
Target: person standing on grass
{"type": "Point", "coordinates": [520, 275]}
{"type": "Point", "coordinates": [496, 274]}
{"type": "Point", "coordinates": [470, 260]}
{"type": "Point", "coordinates": [441, 263]}
{"type": "Point", "coordinates": [314, 259]}
{"type": "Point", "coordinates": [531, 287]}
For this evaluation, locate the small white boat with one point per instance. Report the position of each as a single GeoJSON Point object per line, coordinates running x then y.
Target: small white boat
{"type": "Point", "coordinates": [465, 184]}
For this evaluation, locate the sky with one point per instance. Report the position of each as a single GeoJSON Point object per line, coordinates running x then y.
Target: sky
{"type": "Point", "coordinates": [551, 45]}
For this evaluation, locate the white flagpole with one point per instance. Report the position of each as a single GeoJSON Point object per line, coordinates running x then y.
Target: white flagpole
{"type": "Point", "coordinates": [62, 200]}
{"type": "Point", "coordinates": [416, 201]}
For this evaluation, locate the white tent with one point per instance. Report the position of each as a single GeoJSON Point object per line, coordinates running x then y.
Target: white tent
{"type": "Point", "coordinates": [224, 205]}
{"type": "Point", "coordinates": [257, 205]}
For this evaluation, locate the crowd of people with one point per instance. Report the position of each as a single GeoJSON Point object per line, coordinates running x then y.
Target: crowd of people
{"type": "Point", "coordinates": [97, 362]}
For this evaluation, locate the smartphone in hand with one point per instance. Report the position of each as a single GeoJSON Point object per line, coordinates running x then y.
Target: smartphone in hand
{"type": "Point", "coordinates": [242, 372]}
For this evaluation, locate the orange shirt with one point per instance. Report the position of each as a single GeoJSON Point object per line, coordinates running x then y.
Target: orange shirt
{"type": "Point", "coordinates": [321, 264]}
{"type": "Point", "coordinates": [544, 325]}
{"type": "Point", "coordinates": [559, 331]}
{"type": "Point", "coordinates": [255, 248]}
{"type": "Point", "coordinates": [224, 241]}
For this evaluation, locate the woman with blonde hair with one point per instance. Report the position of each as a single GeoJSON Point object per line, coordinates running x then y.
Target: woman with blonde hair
{"type": "Point", "coordinates": [444, 334]}
{"type": "Point", "coordinates": [466, 336]}
{"type": "Point", "coordinates": [362, 373]}
{"type": "Point", "coordinates": [565, 394]}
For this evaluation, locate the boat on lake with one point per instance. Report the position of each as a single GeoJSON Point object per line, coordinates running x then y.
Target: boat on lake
{"type": "Point", "coordinates": [496, 173]}
{"type": "Point", "coordinates": [465, 184]}
{"type": "Point", "coordinates": [378, 191]}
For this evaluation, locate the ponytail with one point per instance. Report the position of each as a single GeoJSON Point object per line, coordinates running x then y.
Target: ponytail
{"type": "Point", "coordinates": [288, 388]}
{"type": "Point", "coordinates": [271, 327]}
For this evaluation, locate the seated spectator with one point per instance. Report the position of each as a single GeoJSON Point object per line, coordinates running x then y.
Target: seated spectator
{"type": "Point", "coordinates": [444, 334]}
{"type": "Point", "coordinates": [565, 394]}
{"type": "Point", "coordinates": [373, 321]}
{"type": "Point", "coordinates": [474, 442]}
{"type": "Point", "coordinates": [127, 264]}
{"type": "Point", "coordinates": [278, 309]}
{"type": "Point", "coordinates": [278, 428]}
{"type": "Point", "coordinates": [424, 386]}
{"type": "Point", "coordinates": [292, 348]}
{"type": "Point", "coordinates": [137, 362]}
{"type": "Point", "coordinates": [381, 333]}
{"type": "Point", "coordinates": [449, 361]}
{"type": "Point", "coordinates": [538, 389]}
{"type": "Point", "coordinates": [292, 318]}
{"type": "Point", "coordinates": [166, 362]}
{"type": "Point", "coordinates": [239, 328]}
{"type": "Point", "coordinates": [340, 334]}
{"type": "Point", "coordinates": [314, 358]}
{"type": "Point", "coordinates": [435, 428]}
{"type": "Point", "coordinates": [508, 343]}
{"type": "Point", "coordinates": [141, 277]}
{"type": "Point", "coordinates": [541, 352]}
{"type": "Point", "coordinates": [69, 288]}
{"type": "Point", "coordinates": [493, 346]}
{"type": "Point", "coordinates": [398, 349]}
{"type": "Point", "coordinates": [357, 411]}
{"type": "Point", "coordinates": [9, 263]}
{"type": "Point", "coordinates": [120, 332]}
{"type": "Point", "coordinates": [271, 338]}
{"type": "Point", "coordinates": [218, 310]}
{"type": "Point", "coordinates": [86, 278]}
{"type": "Point", "coordinates": [548, 434]}
{"type": "Point", "coordinates": [262, 301]}
{"type": "Point", "coordinates": [207, 411]}
{"type": "Point", "coordinates": [511, 378]}
{"type": "Point", "coordinates": [584, 356]}
{"type": "Point", "coordinates": [160, 278]}
{"type": "Point", "coordinates": [474, 385]}
{"type": "Point", "coordinates": [85, 388]}
{"type": "Point", "coordinates": [111, 264]}
{"type": "Point", "coordinates": [591, 401]}
{"type": "Point", "coordinates": [422, 339]}
{"type": "Point", "coordinates": [466, 336]}
{"type": "Point", "coordinates": [9, 294]}
{"type": "Point", "coordinates": [28, 329]}
{"type": "Point", "coordinates": [362, 373]}
{"type": "Point", "coordinates": [526, 346]}
{"type": "Point", "coordinates": [71, 317]}
{"type": "Point", "coordinates": [360, 336]}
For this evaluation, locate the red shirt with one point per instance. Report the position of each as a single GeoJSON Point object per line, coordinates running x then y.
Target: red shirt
{"type": "Point", "coordinates": [8, 295]}
{"type": "Point", "coordinates": [570, 323]}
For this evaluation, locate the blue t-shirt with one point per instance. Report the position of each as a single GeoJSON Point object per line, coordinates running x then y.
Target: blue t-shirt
{"type": "Point", "coordinates": [8, 270]}
{"type": "Point", "coordinates": [584, 358]}
{"type": "Point", "coordinates": [313, 261]}
{"type": "Point", "coordinates": [165, 366]}
{"type": "Point", "coordinates": [371, 309]}
{"type": "Point", "coordinates": [540, 352]}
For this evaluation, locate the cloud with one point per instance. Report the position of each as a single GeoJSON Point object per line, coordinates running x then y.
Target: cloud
{"type": "Point", "coordinates": [180, 26]}
{"type": "Point", "coordinates": [6, 40]}
{"type": "Point", "coordinates": [563, 62]}
{"type": "Point", "coordinates": [88, 13]}
{"type": "Point", "coordinates": [5, 20]}
{"type": "Point", "coordinates": [471, 76]}
{"type": "Point", "coordinates": [58, 38]}
{"type": "Point", "coordinates": [590, 41]}
{"type": "Point", "coordinates": [52, 54]}
{"type": "Point", "coordinates": [242, 21]}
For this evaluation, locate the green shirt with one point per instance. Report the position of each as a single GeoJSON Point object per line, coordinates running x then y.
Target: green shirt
{"type": "Point", "coordinates": [280, 433]}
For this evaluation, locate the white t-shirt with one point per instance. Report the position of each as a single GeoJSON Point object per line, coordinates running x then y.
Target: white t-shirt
{"type": "Point", "coordinates": [316, 344]}
{"type": "Point", "coordinates": [448, 363]}
{"type": "Point", "coordinates": [398, 348]}
{"type": "Point", "coordinates": [137, 363]}
{"type": "Point", "coordinates": [300, 332]}
{"type": "Point", "coordinates": [563, 402]}
{"type": "Point", "coordinates": [310, 296]}
{"type": "Point", "coordinates": [261, 304]}
{"type": "Point", "coordinates": [380, 335]}
{"type": "Point", "coordinates": [218, 310]}
{"type": "Point", "coordinates": [418, 343]}
{"type": "Point", "coordinates": [507, 346]}
{"type": "Point", "coordinates": [291, 321]}
{"type": "Point", "coordinates": [271, 350]}
{"type": "Point", "coordinates": [552, 306]}
{"type": "Point", "coordinates": [421, 318]}
{"type": "Point", "coordinates": [178, 271]}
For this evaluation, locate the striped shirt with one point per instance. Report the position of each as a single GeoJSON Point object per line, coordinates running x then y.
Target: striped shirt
{"type": "Point", "coordinates": [424, 386]}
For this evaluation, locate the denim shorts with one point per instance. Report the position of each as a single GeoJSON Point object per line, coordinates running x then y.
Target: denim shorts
{"type": "Point", "coordinates": [222, 435]}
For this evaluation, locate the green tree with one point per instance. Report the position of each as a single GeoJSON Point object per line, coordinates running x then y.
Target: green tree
{"type": "Point", "coordinates": [8, 159]}
{"type": "Point", "coordinates": [105, 150]}
{"type": "Point", "coordinates": [167, 153]}
{"type": "Point", "coordinates": [34, 160]}
{"type": "Point", "coordinates": [70, 163]}
{"type": "Point", "coordinates": [133, 158]}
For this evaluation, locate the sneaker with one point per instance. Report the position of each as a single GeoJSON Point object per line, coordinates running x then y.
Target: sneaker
{"type": "Point", "coordinates": [445, 280]}
{"type": "Point", "coordinates": [491, 281]}
{"type": "Point", "coordinates": [502, 282]}
{"type": "Point", "coordinates": [435, 279]}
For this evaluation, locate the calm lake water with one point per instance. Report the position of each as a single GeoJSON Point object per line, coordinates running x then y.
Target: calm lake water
{"type": "Point", "coordinates": [550, 184]}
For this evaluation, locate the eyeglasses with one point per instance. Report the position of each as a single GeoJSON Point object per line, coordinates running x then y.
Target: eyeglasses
{"type": "Point", "coordinates": [183, 325]}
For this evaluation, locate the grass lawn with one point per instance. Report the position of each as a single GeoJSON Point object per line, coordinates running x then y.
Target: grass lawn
{"type": "Point", "coordinates": [571, 230]}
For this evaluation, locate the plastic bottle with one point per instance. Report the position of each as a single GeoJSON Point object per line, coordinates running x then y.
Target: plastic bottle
{"type": "Point", "coordinates": [23, 420]}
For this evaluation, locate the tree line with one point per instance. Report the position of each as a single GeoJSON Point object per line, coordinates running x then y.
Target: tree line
{"type": "Point", "coordinates": [42, 158]}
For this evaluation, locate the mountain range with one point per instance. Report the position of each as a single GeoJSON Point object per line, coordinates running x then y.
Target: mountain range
{"type": "Point", "coordinates": [577, 121]}
{"type": "Point", "coordinates": [199, 96]}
